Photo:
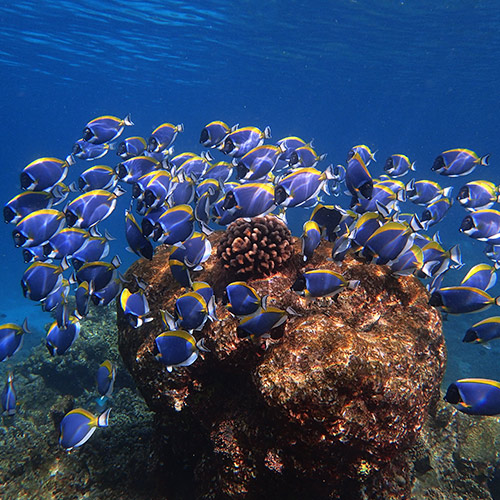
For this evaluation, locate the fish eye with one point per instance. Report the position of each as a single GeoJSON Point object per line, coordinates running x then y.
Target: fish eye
{"type": "Point", "coordinates": [136, 190]}
{"type": "Point", "coordinates": [19, 238]}
{"type": "Point", "coordinates": [27, 256]}
{"type": "Point", "coordinates": [26, 180]}
{"type": "Point", "coordinates": [389, 164]}
{"type": "Point", "coordinates": [463, 194]}
{"type": "Point", "coordinates": [438, 163]}
{"type": "Point", "coordinates": [453, 395]}
{"type": "Point", "coordinates": [204, 137]}
{"type": "Point", "coordinates": [81, 183]}
{"type": "Point", "coordinates": [436, 300]}
{"type": "Point", "coordinates": [87, 134]}
{"type": "Point", "coordinates": [280, 195]}
{"type": "Point", "coordinates": [8, 214]}
{"type": "Point", "coordinates": [294, 158]}
{"type": "Point", "coordinates": [121, 170]}
{"type": "Point", "coordinates": [299, 285]}
{"type": "Point", "coordinates": [467, 224]}
{"type": "Point", "coordinates": [121, 149]}
{"type": "Point", "coordinates": [47, 248]}
{"type": "Point", "coordinates": [152, 144]}
{"type": "Point", "coordinates": [426, 215]}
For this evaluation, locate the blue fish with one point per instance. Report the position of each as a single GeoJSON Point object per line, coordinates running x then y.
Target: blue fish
{"type": "Point", "coordinates": [482, 225]}
{"type": "Point", "coordinates": [243, 300]}
{"type": "Point", "coordinates": [358, 179]}
{"type": "Point", "coordinates": [38, 227]}
{"type": "Point", "coordinates": [484, 331]}
{"type": "Point", "coordinates": [131, 170]}
{"type": "Point", "coordinates": [311, 238]}
{"type": "Point", "coordinates": [177, 348]}
{"type": "Point", "coordinates": [388, 242]}
{"type": "Point", "coordinates": [214, 133]}
{"type": "Point", "coordinates": [258, 162]}
{"type": "Point", "coordinates": [398, 165]}
{"type": "Point", "coordinates": [84, 150]}
{"type": "Point", "coordinates": [220, 171]}
{"type": "Point", "coordinates": [40, 279]}
{"type": "Point", "coordinates": [258, 326]}
{"type": "Point", "coordinates": [78, 425]}
{"type": "Point", "coordinates": [105, 128]}
{"type": "Point", "coordinates": [289, 145]}
{"type": "Point", "coordinates": [305, 156]}
{"type": "Point", "coordinates": [8, 397]}
{"type": "Point", "coordinates": [249, 200]}
{"type": "Point", "coordinates": [178, 267]}
{"type": "Point", "coordinates": [65, 243]}
{"type": "Point", "coordinates": [183, 190]}
{"type": "Point", "coordinates": [43, 174]}
{"type": "Point", "coordinates": [25, 203]}
{"type": "Point", "coordinates": [435, 211]}
{"type": "Point", "coordinates": [408, 263]}
{"type": "Point", "coordinates": [34, 254]}
{"type": "Point", "coordinates": [98, 273]}
{"type": "Point", "coordinates": [462, 299]}
{"type": "Point", "coordinates": [176, 224]}
{"type": "Point", "coordinates": [60, 339]}
{"type": "Point", "coordinates": [137, 242]}
{"type": "Point", "coordinates": [478, 195]}
{"type": "Point", "coordinates": [191, 311]}
{"type": "Point", "coordinates": [82, 299]}
{"type": "Point", "coordinates": [11, 338]}
{"type": "Point", "coordinates": [482, 276]}
{"type": "Point", "coordinates": [163, 136]}
{"type": "Point", "coordinates": [130, 147]}
{"type": "Point", "coordinates": [321, 283]}
{"type": "Point", "coordinates": [424, 192]}
{"type": "Point", "coordinates": [95, 249]}
{"type": "Point", "coordinates": [364, 153]}
{"type": "Point", "coordinates": [98, 177]}
{"type": "Point", "coordinates": [149, 223]}
{"type": "Point", "coordinates": [457, 162]}
{"type": "Point", "coordinates": [475, 396]}
{"type": "Point", "coordinates": [157, 189]}
{"type": "Point", "coordinates": [108, 293]}
{"type": "Point", "coordinates": [193, 167]}
{"type": "Point", "coordinates": [197, 250]}
{"type": "Point", "coordinates": [242, 140]}
{"type": "Point", "coordinates": [135, 307]}
{"type": "Point", "coordinates": [437, 260]}
{"type": "Point", "coordinates": [139, 187]}
{"type": "Point", "coordinates": [106, 375]}
{"type": "Point", "coordinates": [328, 218]}
{"type": "Point", "coordinates": [383, 199]}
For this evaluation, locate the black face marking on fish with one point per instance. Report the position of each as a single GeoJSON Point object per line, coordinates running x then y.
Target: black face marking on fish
{"type": "Point", "coordinates": [76, 149]}
{"type": "Point", "coordinates": [436, 300]}
{"type": "Point", "coordinates": [241, 170]}
{"type": "Point", "coordinates": [389, 164]}
{"type": "Point", "coordinates": [71, 219]}
{"type": "Point", "coordinates": [87, 134]}
{"type": "Point", "coordinates": [229, 201]}
{"type": "Point", "coordinates": [204, 137]}
{"type": "Point", "coordinates": [299, 284]}
{"type": "Point", "coordinates": [463, 194]}
{"type": "Point", "coordinates": [152, 144]}
{"type": "Point", "coordinates": [121, 170]}
{"type": "Point", "coordinates": [438, 164]}
{"type": "Point", "coordinates": [453, 395]}
{"type": "Point", "coordinates": [8, 214]}
{"type": "Point", "coordinates": [26, 180]}
{"type": "Point", "coordinates": [366, 190]}
{"type": "Point", "coordinates": [470, 336]}
{"type": "Point", "coordinates": [467, 223]}
{"type": "Point", "coordinates": [19, 238]}
{"type": "Point", "coordinates": [228, 146]}
{"type": "Point", "coordinates": [280, 195]}
{"type": "Point", "coordinates": [294, 158]}
{"type": "Point", "coordinates": [149, 198]}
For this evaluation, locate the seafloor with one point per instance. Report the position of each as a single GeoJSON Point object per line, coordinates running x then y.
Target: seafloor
{"type": "Point", "coordinates": [456, 456]}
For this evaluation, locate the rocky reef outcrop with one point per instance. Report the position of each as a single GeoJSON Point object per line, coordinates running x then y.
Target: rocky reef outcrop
{"type": "Point", "coordinates": [324, 409]}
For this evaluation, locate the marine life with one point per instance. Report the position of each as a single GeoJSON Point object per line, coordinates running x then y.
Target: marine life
{"type": "Point", "coordinates": [311, 238]}
{"type": "Point", "coordinates": [138, 243]}
{"type": "Point", "coordinates": [25, 203]}
{"type": "Point", "coordinates": [481, 276]}
{"type": "Point", "coordinates": [8, 397]}
{"type": "Point", "coordinates": [305, 156]}
{"type": "Point", "coordinates": [40, 279]}
{"type": "Point", "coordinates": [176, 224]}
{"type": "Point", "coordinates": [475, 396]}
{"type": "Point", "coordinates": [364, 152]}
{"type": "Point", "coordinates": [11, 338]}
{"type": "Point", "coordinates": [462, 299]}
{"type": "Point", "coordinates": [423, 192]}
{"type": "Point", "coordinates": [130, 147]}
{"type": "Point", "coordinates": [163, 136]}
{"type": "Point", "coordinates": [97, 273]}
{"type": "Point", "coordinates": [105, 128]}
{"type": "Point", "coordinates": [457, 162]}
{"type": "Point", "coordinates": [321, 283]}
{"type": "Point", "coordinates": [43, 174]}
{"type": "Point", "coordinates": [131, 170]}
{"type": "Point", "coordinates": [106, 375]}
{"type": "Point", "coordinates": [78, 425]}
{"type": "Point", "coordinates": [135, 307]}
{"type": "Point", "coordinates": [242, 140]}
{"type": "Point", "coordinates": [398, 165]}
{"type": "Point", "coordinates": [258, 162]}
{"type": "Point", "coordinates": [61, 338]}
{"type": "Point", "coordinates": [482, 225]}
{"type": "Point", "coordinates": [65, 243]}
{"type": "Point", "coordinates": [358, 179]}
{"type": "Point", "coordinates": [38, 227]}
{"type": "Point", "coordinates": [484, 331]}
{"type": "Point", "coordinates": [84, 150]}
{"type": "Point", "coordinates": [259, 325]}
{"type": "Point", "coordinates": [250, 200]}
{"type": "Point", "coordinates": [478, 195]}
{"type": "Point", "coordinates": [213, 134]}
{"type": "Point", "coordinates": [435, 211]}
{"type": "Point", "coordinates": [242, 299]}
{"type": "Point", "coordinates": [98, 177]}
{"type": "Point", "coordinates": [178, 348]}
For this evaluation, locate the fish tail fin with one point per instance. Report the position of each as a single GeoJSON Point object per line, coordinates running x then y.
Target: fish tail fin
{"type": "Point", "coordinates": [70, 160]}
{"type": "Point", "coordinates": [180, 127]}
{"type": "Point", "coordinates": [352, 284]}
{"type": "Point", "coordinates": [412, 166]}
{"type": "Point", "coordinates": [267, 133]}
{"type": "Point", "coordinates": [128, 120]}
{"type": "Point", "coordinates": [455, 255]}
{"type": "Point", "coordinates": [484, 160]}
{"type": "Point", "coordinates": [25, 326]}
{"type": "Point", "coordinates": [103, 418]}
{"type": "Point", "coordinates": [446, 192]}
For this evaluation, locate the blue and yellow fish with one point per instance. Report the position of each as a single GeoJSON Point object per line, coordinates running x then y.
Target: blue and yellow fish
{"type": "Point", "coordinates": [8, 397]}
{"type": "Point", "coordinates": [259, 325]}
{"type": "Point", "coordinates": [482, 225]}
{"type": "Point", "coordinates": [311, 238]}
{"type": "Point", "coordinates": [457, 162]}
{"type": "Point", "coordinates": [43, 174]}
{"type": "Point", "coordinates": [478, 195]}
{"type": "Point", "coordinates": [135, 307]}
{"type": "Point", "coordinates": [214, 133]}
{"type": "Point", "coordinates": [106, 375]}
{"type": "Point", "coordinates": [130, 171]}
{"type": "Point", "coordinates": [398, 165]}
{"type": "Point", "coordinates": [130, 147]}
{"type": "Point", "coordinates": [38, 227]}
{"type": "Point", "coordinates": [40, 279]}
{"type": "Point", "coordinates": [137, 242]}
{"type": "Point", "coordinates": [11, 339]}
{"type": "Point", "coordinates": [98, 177]}
{"type": "Point", "coordinates": [475, 396]}
{"type": "Point", "coordinates": [321, 283]}
{"type": "Point", "coordinates": [105, 128]}
{"type": "Point", "coordinates": [78, 425]}
{"type": "Point", "coordinates": [462, 299]}
{"type": "Point", "coordinates": [60, 339]}
{"type": "Point", "coordinates": [242, 299]}
{"type": "Point", "coordinates": [163, 136]}
{"type": "Point", "coordinates": [484, 331]}
{"type": "Point", "coordinates": [242, 140]}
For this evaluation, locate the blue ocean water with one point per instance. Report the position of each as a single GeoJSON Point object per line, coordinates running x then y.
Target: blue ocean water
{"type": "Point", "coordinates": [401, 77]}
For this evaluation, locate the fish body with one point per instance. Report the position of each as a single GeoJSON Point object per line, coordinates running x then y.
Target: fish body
{"type": "Point", "coordinates": [191, 311]}
{"type": "Point", "coordinates": [97, 177]}
{"type": "Point", "coordinates": [135, 307]}
{"type": "Point", "coordinates": [408, 263]}
{"type": "Point", "coordinates": [163, 136]}
{"type": "Point", "coordinates": [321, 283]}
{"type": "Point", "coordinates": [25, 203]}
{"type": "Point", "coordinates": [388, 242]}
{"type": "Point", "coordinates": [137, 242]}
{"type": "Point", "coordinates": [157, 189]}
{"type": "Point", "coordinates": [220, 171]}
{"type": "Point", "coordinates": [458, 162]}
{"type": "Point", "coordinates": [78, 425]}
{"type": "Point", "coordinates": [106, 375]}
{"type": "Point", "coordinates": [214, 133]}
{"type": "Point", "coordinates": [95, 249]}
{"type": "Point", "coordinates": [462, 299]}
{"type": "Point", "coordinates": [243, 300]}
{"type": "Point", "coordinates": [176, 224]}
{"type": "Point", "coordinates": [358, 179]}
{"type": "Point", "coordinates": [197, 250]}
{"type": "Point", "coordinates": [328, 218]}
{"type": "Point", "coordinates": [8, 397]}
{"type": "Point", "coordinates": [60, 339]}
{"type": "Point", "coordinates": [311, 238]}
{"type": "Point", "coordinates": [482, 225]}
{"type": "Point", "coordinates": [383, 196]}
{"type": "Point", "coordinates": [87, 151]}
{"type": "Point", "coordinates": [131, 170]}
{"type": "Point", "coordinates": [38, 227]}
{"type": "Point", "coordinates": [65, 243]}
{"type": "Point", "coordinates": [82, 299]}
{"type": "Point", "coordinates": [105, 129]}
{"type": "Point", "coordinates": [194, 167]}
{"type": "Point", "coordinates": [482, 276]}
{"type": "Point", "coordinates": [109, 292]}
{"type": "Point", "coordinates": [484, 331]}
{"type": "Point", "coordinates": [176, 348]}
{"type": "Point", "coordinates": [11, 339]}
{"type": "Point", "coordinates": [130, 147]}
{"type": "Point", "coordinates": [475, 396]}
{"type": "Point", "coordinates": [260, 324]}
{"type": "Point", "coordinates": [305, 156]}
{"type": "Point", "coordinates": [258, 162]}
{"type": "Point", "coordinates": [478, 195]}
{"type": "Point", "coordinates": [179, 268]}
{"type": "Point", "coordinates": [398, 165]}
{"type": "Point", "coordinates": [424, 192]}
{"type": "Point", "coordinates": [43, 174]}
{"type": "Point", "coordinates": [249, 200]}
{"type": "Point", "coordinates": [242, 140]}
{"type": "Point", "coordinates": [98, 273]}
{"type": "Point", "coordinates": [436, 211]}
{"type": "Point", "coordinates": [364, 153]}
{"type": "Point", "coordinates": [40, 279]}
{"type": "Point", "coordinates": [90, 208]}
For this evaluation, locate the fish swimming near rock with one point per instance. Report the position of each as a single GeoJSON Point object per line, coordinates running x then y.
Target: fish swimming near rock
{"type": "Point", "coordinates": [475, 396]}
{"type": "Point", "coordinates": [78, 425]}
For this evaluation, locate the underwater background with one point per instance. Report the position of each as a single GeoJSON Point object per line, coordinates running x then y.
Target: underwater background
{"type": "Point", "coordinates": [415, 78]}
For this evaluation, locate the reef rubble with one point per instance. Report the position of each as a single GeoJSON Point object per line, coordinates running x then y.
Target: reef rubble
{"type": "Point", "coordinates": [328, 405]}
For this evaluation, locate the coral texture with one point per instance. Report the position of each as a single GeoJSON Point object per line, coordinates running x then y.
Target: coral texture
{"type": "Point", "coordinates": [327, 409]}
{"type": "Point", "coordinates": [256, 247]}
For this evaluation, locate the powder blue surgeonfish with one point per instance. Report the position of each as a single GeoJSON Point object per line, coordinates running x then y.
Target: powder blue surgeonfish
{"type": "Point", "coordinates": [478, 195]}
{"type": "Point", "coordinates": [25, 203]}
{"type": "Point", "coordinates": [163, 136]}
{"type": "Point", "coordinates": [8, 397]}
{"type": "Point", "coordinates": [98, 177]}
{"type": "Point", "coordinates": [475, 396]}
{"type": "Point", "coordinates": [364, 153]}
{"type": "Point", "coordinates": [258, 162]}
{"type": "Point", "coordinates": [243, 300]}
{"type": "Point", "coordinates": [481, 276]}
{"type": "Point", "coordinates": [135, 307]}
{"type": "Point", "coordinates": [305, 156]}
{"type": "Point", "coordinates": [214, 133]}
{"type": "Point", "coordinates": [130, 147]}
{"type": "Point", "coordinates": [482, 225]}
{"type": "Point", "coordinates": [11, 338]}
{"type": "Point", "coordinates": [130, 171]}
{"type": "Point", "coordinates": [462, 299]}
{"type": "Point", "coordinates": [176, 224]}
{"type": "Point", "coordinates": [38, 227]}
{"type": "Point", "coordinates": [78, 425]}
{"type": "Point", "coordinates": [106, 375]}
{"type": "Point", "coordinates": [435, 211]}
{"type": "Point", "coordinates": [398, 165]}
{"type": "Point", "coordinates": [84, 150]}
{"type": "Point", "coordinates": [249, 200]}
{"type": "Point", "coordinates": [259, 325]}
{"type": "Point", "coordinates": [43, 174]}
{"type": "Point", "coordinates": [358, 179]}
{"type": "Point", "coordinates": [98, 273]}
{"type": "Point", "coordinates": [484, 331]}
{"type": "Point", "coordinates": [242, 140]}
{"type": "Point", "coordinates": [424, 192]}
{"type": "Point", "coordinates": [65, 243]}
{"type": "Point", "coordinates": [60, 339]}
{"type": "Point", "coordinates": [40, 279]}
{"type": "Point", "coordinates": [457, 162]}
{"type": "Point", "coordinates": [105, 128]}
{"type": "Point", "coordinates": [311, 238]}
{"type": "Point", "coordinates": [321, 283]}
{"type": "Point", "coordinates": [137, 242]}
{"type": "Point", "coordinates": [178, 348]}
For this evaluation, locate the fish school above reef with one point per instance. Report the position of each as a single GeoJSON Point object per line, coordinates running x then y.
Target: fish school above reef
{"type": "Point", "coordinates": [306, 330]}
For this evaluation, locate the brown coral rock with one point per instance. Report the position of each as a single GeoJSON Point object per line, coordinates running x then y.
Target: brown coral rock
{"type": "Point", "coordinates": [327, 409]}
